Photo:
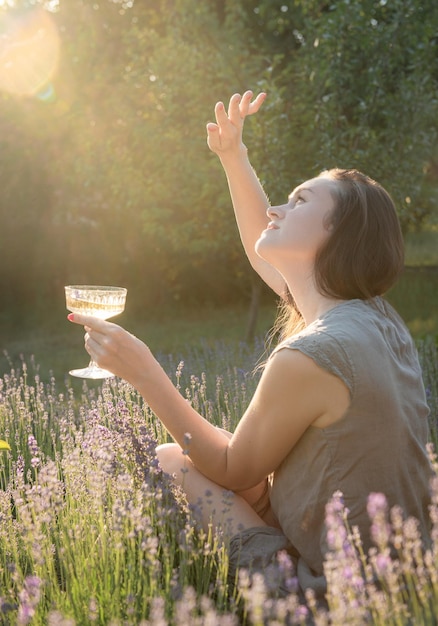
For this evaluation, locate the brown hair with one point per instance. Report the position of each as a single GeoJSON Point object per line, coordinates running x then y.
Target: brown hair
{"type": "Point", "coordinates": [364, 255]}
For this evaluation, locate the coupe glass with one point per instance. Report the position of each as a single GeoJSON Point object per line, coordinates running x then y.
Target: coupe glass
{"type": "Point", "coordinates": [99, 301]}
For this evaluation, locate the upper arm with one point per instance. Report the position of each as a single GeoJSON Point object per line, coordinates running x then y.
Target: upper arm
{"type": "Point", "coordinates": [268, 274]}
{"type": "Point", "coordinates": [293, 393]}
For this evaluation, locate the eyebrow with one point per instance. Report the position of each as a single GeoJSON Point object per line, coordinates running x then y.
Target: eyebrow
{"type": "Point", "coordinates": [299, 190]}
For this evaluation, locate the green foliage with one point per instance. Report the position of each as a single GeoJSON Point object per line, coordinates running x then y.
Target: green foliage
{"type": "Point", "coordinates": [372, 85]}
{"type": "Point", "coordinates": [106, 176]}
{"type": "Point", "coordinates": [24, 208]}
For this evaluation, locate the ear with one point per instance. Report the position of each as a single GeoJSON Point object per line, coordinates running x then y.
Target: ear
{"type": "Point", "coordinates": [328, 221]}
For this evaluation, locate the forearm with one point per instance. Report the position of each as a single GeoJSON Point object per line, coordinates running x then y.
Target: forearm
{"type": "Point", "coordinates": [248, 197]}
{"type": "Point", "coordinates": [206, 445]}
{"type": "Point", "coordinates": [250, 204]}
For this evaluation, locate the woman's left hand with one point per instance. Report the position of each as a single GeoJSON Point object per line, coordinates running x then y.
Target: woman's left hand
{"type": "Point", "coordinates": [115, 349]}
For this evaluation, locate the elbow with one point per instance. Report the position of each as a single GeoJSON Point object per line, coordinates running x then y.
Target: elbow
{"type": "Point", "coordinates": [239, 479]}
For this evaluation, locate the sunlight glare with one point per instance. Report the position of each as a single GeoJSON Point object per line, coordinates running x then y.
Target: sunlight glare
{"type": "Point", "coordinates": [29, 52]}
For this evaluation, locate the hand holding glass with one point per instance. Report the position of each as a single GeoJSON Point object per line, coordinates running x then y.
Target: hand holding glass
{"type": "Point", "coordinates": [98, 301]}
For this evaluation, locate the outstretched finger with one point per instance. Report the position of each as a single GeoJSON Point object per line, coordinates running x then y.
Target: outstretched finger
{"type": "Point", "coordinates": [213, 137]}
{"type": "Point", "coordinates": [220, 114]}
{"type": "Point", "coordinates": [234, 114]}
{"type": "Point", "coordinates": [244, 103]}
{"type": "Point", "coordinates": [254, 106]}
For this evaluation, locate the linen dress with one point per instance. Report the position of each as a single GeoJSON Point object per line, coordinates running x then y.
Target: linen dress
{"type": "Point", "coordinates": [379, 445]}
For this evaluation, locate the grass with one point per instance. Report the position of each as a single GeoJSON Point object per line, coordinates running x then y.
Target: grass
{"type": "Point", "coordinates": [57, 345]}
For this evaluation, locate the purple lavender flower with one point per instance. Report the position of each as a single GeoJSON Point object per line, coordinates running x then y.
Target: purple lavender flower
{"type": "Point", "coordinates": [29, 597]}
{"type": "Point", "coordinates": [382, 564]}
{"type": "Point", "coordinates": [376, 504]}
{"type": "Point", "coordinates": [34, 450]}
{"type": "Point", "coordinates": [377, 507]}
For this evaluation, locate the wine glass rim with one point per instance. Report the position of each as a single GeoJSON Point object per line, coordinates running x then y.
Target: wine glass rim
{"type": "Point", "coordinates": [97, 288]}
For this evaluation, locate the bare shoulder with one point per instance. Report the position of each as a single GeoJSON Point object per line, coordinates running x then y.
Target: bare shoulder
{"type": "Point", "coordinates": [323, 397]}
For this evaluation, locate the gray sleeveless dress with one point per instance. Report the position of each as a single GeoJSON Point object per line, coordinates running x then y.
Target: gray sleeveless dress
{"type": "Point", "coordinates": [377, 446]}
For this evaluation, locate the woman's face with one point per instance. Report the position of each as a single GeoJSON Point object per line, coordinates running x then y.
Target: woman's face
{"type": "Point", "coordinates": [298, 228]}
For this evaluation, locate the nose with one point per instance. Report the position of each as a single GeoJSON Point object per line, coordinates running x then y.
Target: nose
{"type": "Point", "coordinates": [275, 211]}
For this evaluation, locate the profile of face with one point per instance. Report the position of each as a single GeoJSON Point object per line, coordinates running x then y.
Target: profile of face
{"type": "Point", "coordinates": [298, 228]}
{"type": "Point", "coordinates": [343, 227]}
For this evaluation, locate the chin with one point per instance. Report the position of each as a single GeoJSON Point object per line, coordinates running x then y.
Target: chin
{"type": "Point", "coordinates": [259, 245]}
{"type": "Point", "coordinates": [261, 249]}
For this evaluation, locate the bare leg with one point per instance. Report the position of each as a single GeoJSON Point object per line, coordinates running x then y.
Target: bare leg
{"type": "Point", "coordinates": [217, 506]}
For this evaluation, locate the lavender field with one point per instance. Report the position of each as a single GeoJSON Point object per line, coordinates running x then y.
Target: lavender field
{"type": "Point", "coordinates": [92, 532]}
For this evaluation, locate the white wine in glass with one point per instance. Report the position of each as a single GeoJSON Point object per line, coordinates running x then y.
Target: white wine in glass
{"type": "Point", "coordinates": [99, 301]}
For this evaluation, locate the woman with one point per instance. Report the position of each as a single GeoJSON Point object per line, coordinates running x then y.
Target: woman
{"type": "Point", "coordinates": [340, 404]}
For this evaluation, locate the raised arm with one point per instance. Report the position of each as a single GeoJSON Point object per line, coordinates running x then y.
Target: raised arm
{"type": "Point", "coordinates": [249, 200]}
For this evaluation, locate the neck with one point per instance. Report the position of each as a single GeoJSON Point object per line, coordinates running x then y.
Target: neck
{"type": "Point", "coordinates": [309, 301]}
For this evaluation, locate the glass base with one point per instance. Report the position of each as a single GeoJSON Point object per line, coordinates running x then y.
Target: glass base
{"type": "Point", "coordinates": [91, 372]}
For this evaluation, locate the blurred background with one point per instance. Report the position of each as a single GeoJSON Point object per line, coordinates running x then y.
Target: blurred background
{"type": "Point", "coordinates": [105, 175]}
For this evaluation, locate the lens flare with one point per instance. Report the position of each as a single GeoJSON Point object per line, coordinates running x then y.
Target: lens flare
{"type": "Point", "coordinates": [47, 94]}
{"type": "Point", "coordinates": [29, 53]}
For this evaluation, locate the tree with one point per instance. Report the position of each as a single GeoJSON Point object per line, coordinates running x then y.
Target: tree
{"type": "Point", "coordinates": [150, 163]}
{"type": "Point", "coordinates": [127, 190]}
{"type": "Point", "coordinates": [366, 75]}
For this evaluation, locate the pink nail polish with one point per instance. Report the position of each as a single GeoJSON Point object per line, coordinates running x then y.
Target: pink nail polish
{"type": "Point", "coordinates": [70, 317]}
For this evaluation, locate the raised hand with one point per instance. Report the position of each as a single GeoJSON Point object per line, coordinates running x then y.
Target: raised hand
{"type": "Point", "coordinates": [226, 134]}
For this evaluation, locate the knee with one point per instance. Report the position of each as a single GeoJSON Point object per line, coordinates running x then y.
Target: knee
{"type": "Point", "coordinates": [171, 458]}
